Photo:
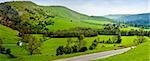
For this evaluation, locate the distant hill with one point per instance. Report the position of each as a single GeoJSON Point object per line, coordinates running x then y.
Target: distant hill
{"type": "Point", "coordinates": [26, 16]}
{"type": "Point", "coordinates": [135, 19]}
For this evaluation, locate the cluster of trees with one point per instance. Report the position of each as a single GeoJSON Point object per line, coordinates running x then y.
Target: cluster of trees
{"type": "Point", "coordinates": [135, 32]}
{"type": "Point", "coordinates": [115, 25]}
{"type": "Point", "coordinates": [32, 44]}
{"type": "Point", "coordinates": [34, 21]}
{"type": "Point", "coordinates": [94, 44]}
{"type": "Point", "coordinates": [8, 16]}
{"type": "Point", "coordinates": [76, 32]}
{"type": "Point", "coordinates": [141, 38]}
{"type": "Point", "coordinates": [71, 47]}
{"type": "Point", "coordinates": [31, 21]}
{"type": "Point", "coordinates": [7, 51]}
{"type": "Point", "coordinates": [89, 32]}
{"type": "Point", "coordinates": [113, 31]}
{"type": "Point", "coordinates": [111, 41]}
{"type": "Point", "coordinates": [123, 32]}
{"type": "Point", "coordinates": [117, 39]}
{"type": "Point", "coordinates": [68, 50]}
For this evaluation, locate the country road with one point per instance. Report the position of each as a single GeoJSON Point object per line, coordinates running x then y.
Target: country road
{"type": "Point", "coordinates": [94, 56]}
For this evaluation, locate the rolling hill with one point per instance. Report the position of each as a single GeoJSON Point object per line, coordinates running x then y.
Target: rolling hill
{"type": "Point", "coordinates": [35, 22]}
{"type": "Point", "coordinates": [26, 16]}
{"type": "Point", "coordinates": [133, 19]}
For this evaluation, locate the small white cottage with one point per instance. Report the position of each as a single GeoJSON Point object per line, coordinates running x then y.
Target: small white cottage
{"type": "Point", "coordinates": [20, 43]}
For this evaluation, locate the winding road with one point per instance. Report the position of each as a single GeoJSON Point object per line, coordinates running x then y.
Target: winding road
{"type": "Point", "coordinates": [95, 56]}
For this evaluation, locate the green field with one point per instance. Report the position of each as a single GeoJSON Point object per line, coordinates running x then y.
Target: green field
{"type": "Point", "coordinates": [64, 24]}
{"type": "Point", "coordinates": [40, 21]}
{"type": "Point", "coordinates": [140, 53]}
{"type": "Point", "coordinates": [48, 48]}
{"type": "Point", "coordinates": [10, 39]}
{"type": "Point", "coordinates": [130, 28]}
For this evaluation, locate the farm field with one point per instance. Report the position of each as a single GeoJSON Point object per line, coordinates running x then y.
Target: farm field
{"type": "Point", "coordinates": [63, 24]}
{"type": "Point", "coordinates": [49, 46]}
{"type": "Point", "coordinates": [141, 51]}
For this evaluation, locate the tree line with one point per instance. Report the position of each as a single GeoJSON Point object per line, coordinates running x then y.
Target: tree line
{"type": "Point", "coordinates": [78, 46]}
{"type": "Point", "coordinates": [90, 32]}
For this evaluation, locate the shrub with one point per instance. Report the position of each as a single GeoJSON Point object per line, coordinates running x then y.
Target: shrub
{"type": "Point", "coordinates": [75, 49]}
{"type": "Point", "coordinates": [60, 50]}
{"type": "Point", "coordinates": [91, 47]}
{"type": "Point", "coordinates": [94, 44]}
{"type": "Point", "coordinates": [68, 50]}
{"type": "Point", "coordinates": [8, 51]}
{"type": "Point", "coordinates": [83, 49]}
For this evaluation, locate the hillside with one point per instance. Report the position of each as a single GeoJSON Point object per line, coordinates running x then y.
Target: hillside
{"type": "Point", "coordinates": [28, 17]}
{"type": "Point", "coordinates": [142, 51]}
{"type": "Point", "coordinates": [10, 39]}
{"type": "Point", "coordinates": [30, 32]}
{"type": "Point", "coordinates": [134, 19]}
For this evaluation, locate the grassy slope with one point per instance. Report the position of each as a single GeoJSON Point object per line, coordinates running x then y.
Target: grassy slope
{"type": "Point", "coordinates": [8, 35]}
{"type": "Point", "coordinates": [48, 48]}
{"type": "Point", "coordinates": [66, 19]}
{"type": "Point", "coordinates": [55, 42]}
{"type": "Point", "coordinates": [62, 21]}
{"type": "Point", "coordinates": [10, 39]}
{"type": "Point", "coordinates": [61, 24]}
{"type": "Point", "coordinates": [140, 53]}
{"type": "Point", "coordinates": [63, 16]}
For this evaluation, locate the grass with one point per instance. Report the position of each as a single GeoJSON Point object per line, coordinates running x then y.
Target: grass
{"type": "Point", "coordinates": [48, 48]}
{"type": "Point", "coordinates": [99, 22]}
{"type": "Point", "coordinates": [10, 39]}
{"type": "Point", "coordinates": [140, 53]}
{"type": "Point", "coordinates": [64, 18]}
{"type": "Point", "coordinates": [130, 28]}
{"type": "Point", "coordinates": [7, 34]}
{"type": "Point", "coordinates": [66, 24]}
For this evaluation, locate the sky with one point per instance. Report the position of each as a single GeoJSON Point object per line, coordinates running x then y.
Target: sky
{"type": "Point", "coordinates": [99, 7]}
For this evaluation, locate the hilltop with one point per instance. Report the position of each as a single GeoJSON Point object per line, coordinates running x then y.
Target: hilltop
{"type": "Point", "coordinates": [136, 20]}
{"type": "Point", "coordinates": [27, 17]}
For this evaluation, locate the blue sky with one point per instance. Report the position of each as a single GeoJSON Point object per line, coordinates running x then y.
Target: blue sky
{"type": "Point", "coordinates": [100, 7]}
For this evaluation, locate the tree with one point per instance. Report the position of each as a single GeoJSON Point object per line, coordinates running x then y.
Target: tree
{"type": "Point", "coordinates": [91, 47]}
{"type": "Point", "coordinates": [83, 49]}
{"type": "Point", "coordinates": [32, 43]}
{"type": "Point", "coordinates": [69, 41]}
{"type": "Point", "coordinates": [2, 49]}
{"type": "Point", "coordinates": [26, 38]}
{"type": "Point", "coordinates": [109, 41]}
{"type": "Point", "coordinates": [68, 50]}
{"type": "Point", "coordinates": [60, 50]}
{"type": "Point", "coordinates": [81, 41]}
{"type": "Point", "coordinates": [140, 38]}
{"type": "Point", "coordinates": [1, 44]}
{"type": "Point", "coordinates": [119, 35]}
{"type": "Point", "coordinates": [94, 44]}
{"type": "Point", "coordinates": [8, 51]}
{"type": "Point", "coordinates": [75, 49]}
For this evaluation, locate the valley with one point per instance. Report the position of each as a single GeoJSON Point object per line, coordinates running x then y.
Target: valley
{"type": "Point", "coordinates": [31, 32]}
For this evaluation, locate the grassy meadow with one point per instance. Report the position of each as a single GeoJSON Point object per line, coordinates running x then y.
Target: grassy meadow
{"type": "Point", "coordinates": [41, 23]}
{"type": "Point", "coordinates": [142, 51]}
{"type": "Point", "coordinates": [48, 48]}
